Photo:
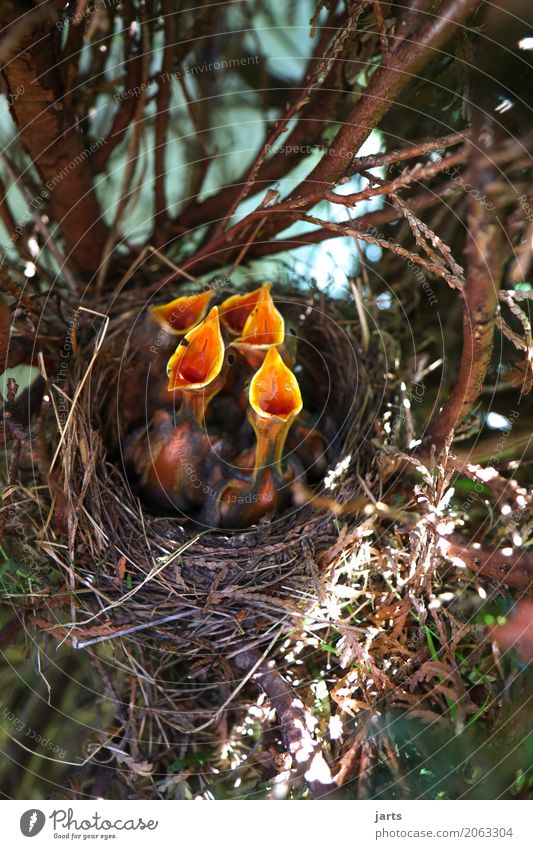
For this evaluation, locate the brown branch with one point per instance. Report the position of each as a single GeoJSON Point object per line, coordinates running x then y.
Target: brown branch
{"type": "Point", "coordinates": [52, 141]}
{"type": "Point", "coordinates": [14, 349]}
{"type": "Point", "coordinates": [433, 246]}
{"type": "Point", "coordinates": [380, 21]}
{"type": "Point", "coordinates": [220, 254]}
{"type": "Point", "coordinates": [10, 425]}
{"type": "Point", "coordinates": [297, 145]}
{"type": "Point", "coordinates": [6, 217]}
{"type": "Point", "coordinates": [72, 54]}
{"type": "Point", "coordinates": [127, 192]}
{"type": "Point", "coordinates": [485, 253]}
{"type": "Point", "coordinates": [306, 130]}
{"type": "Point", "coordinates": [377, 160]}
{"type": "Point", "coordinates": [133, 61]}
{"type": "Point", "coordinates": [513, 567]}
{"type": "Point", "coordinates": [161, 124]}
{"type": "Point", "coordinates": [352, 228]}
{"type": "Point", "coordinates": [302, 98]}
{"type": "Point", "coordinates": [410, 14]}
{"type": "Point", "coordinates": [421, 171]}
{"type": "Point", "coordinates": [293, 722]}
{"type": "Point", "coordinates": [204, 158]}
{"type": "Point", "coordinates": [396, 70]}
{"type": "Point", "coordinates": [372, 219]}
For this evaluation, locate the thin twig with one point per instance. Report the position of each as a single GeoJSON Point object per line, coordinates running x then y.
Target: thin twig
{"type": "Point", "coordinates": [161, 122]}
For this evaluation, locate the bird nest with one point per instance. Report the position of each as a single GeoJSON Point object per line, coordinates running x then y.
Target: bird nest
{"type": "Point", "coordinates": [199, 593]}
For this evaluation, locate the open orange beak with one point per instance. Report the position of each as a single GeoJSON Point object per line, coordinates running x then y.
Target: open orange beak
{"type": "Point", "coordinates": [274, 390]}
{"type": "Point", "coordinates": [275, 401]}
{"type": "Point", "coordinates": [180, 316]}
{"type": "Point", "coordinates": [263, 328]}
{"type": "Point", "coordinates": [235, 311]}
{"type": "Point", "coordinates": [198, 359]}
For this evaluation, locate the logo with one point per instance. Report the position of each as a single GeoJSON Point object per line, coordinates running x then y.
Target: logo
{"type": "Point", "coordinates": [32, 822]}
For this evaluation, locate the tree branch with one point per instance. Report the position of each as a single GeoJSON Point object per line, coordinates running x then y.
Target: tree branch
{"type": "Point", "coordinates": [293, 722]}
{"type": "Point", "coordinates": [513, 567]}
{"type": "Point", "coordinates": [221, 254]}
{"type": "Point", "coordinates": [161, 124]}
{"type": "Point", "coordinates": [485, 255]}
{"type": "Point", "coordinates": [133, 61]}
{"type": "Point", "coordinates": [313, 118]}
{"type": "Point", "coordinates": [52, 140]}
{"type": "Point", "coordinates": [396, 70]}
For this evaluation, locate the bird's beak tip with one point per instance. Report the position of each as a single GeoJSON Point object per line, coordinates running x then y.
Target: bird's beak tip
{"type": "Point", "coordinates": [181, 315]}
{"type": "Point", "coordinates": [198, 359]}
{"type": "Point", "coordinates": [265, 325]}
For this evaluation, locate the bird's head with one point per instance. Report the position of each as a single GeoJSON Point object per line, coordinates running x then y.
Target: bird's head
{"type": "Point", "coordinates": [274, 390]}
{"type": "Point", "coordinates": [199, 357]}
{"type": "Point", "coordinates": [181, 315]}
{"type": "Point", "coordinates": [264, 328]}
{"type": "Point", "coordinates": [235, 311]}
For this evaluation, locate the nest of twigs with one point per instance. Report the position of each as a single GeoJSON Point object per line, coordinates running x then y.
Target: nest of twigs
{"type": "Point", "coordinates": [188, 610]}
{"type": "Point", "coordinates": [200, 593]}
{"type": "Point", "coordinates": [178, 618]}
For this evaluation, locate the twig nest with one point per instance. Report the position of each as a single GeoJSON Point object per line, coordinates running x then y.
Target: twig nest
{"type": "Point", "coordinates": [160, 570]}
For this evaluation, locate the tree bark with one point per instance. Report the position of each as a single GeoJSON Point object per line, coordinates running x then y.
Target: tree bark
{"type": "Point", "coordinates": [50, 136]}
{"type": "Point", "coordinates": [510, 566]}
{"type": "Point", "coordinates": [485, 252]}
{"type": "Point", "coordinates": [293, 723]}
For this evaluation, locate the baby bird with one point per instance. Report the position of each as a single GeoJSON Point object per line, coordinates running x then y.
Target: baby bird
{"type": "Point", "coordinates": [310, 446]}
{"type": "Point", "coordinates": [263, 328]}
{"type": "Point", "coordinates": [181, 315]}
{"type": "Point", "coordinates": [176, 318]}
{"type": "Point", "coordinates": [235, 311]}
{"type": "Point", "coordinates": [195, 368]}
{"type": "Point", "coordinates": [171, 457]}
{"type": "Point", "coordinates": [275, 401]}
{"type": "Point", "coordinates": [142, 384]}
{"type": "Point", "coordinates": [168, 460]}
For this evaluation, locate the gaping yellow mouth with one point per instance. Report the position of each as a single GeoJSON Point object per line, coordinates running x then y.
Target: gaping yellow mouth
{"type": "Point", "coordinates": [181, 315]}
{"type": "Point", "coordinates": [235, 311]}
{"type": "Point", "coordinates": [198, 359]}
{"type": "Point", "coordinates": [274, 390]}
{"type": "Point", "coordinates": [264, 326]}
